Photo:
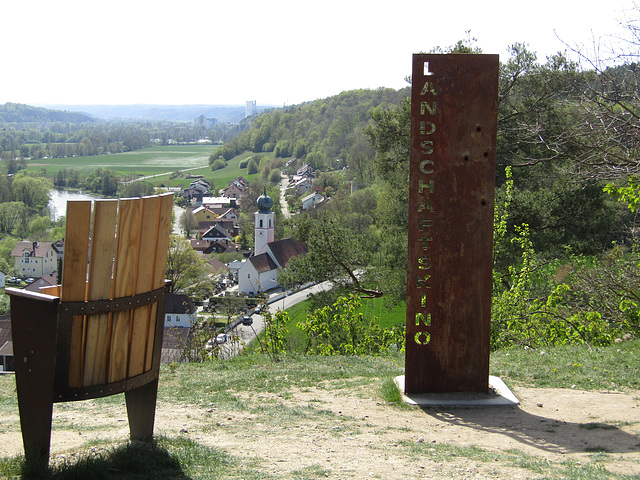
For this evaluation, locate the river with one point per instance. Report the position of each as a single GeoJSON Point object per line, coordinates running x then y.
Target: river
{"type": "Point", "coordinates": [58, 205]}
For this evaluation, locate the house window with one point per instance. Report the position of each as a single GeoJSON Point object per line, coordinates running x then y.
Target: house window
{"type": "Point", "coordinates": [248, 275]}
{"type": "Point", "coordinates": [168, 318]}
{"type": "Point", "coordinates": [26, 257]}
{"type": "Point", "coordinates": [260, 223]}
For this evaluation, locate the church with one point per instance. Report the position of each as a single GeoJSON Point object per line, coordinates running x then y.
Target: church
{"type": "Point", "coordinates": [260, 272]}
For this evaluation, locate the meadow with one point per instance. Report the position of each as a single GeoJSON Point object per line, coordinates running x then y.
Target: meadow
{"type": "Point", "coordinates": [156, 163]}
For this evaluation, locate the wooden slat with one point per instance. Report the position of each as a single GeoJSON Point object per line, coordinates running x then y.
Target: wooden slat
{"type": "Point", "coordinates": [126, 261]}
{"type": "Point", "coordinates": [140, 321]}
{"type": "Point", "coordinates": [99, 287]}
{"type": "Point", "coordinates": [53, 290]}
{"type": "Point", "coordinates": [160, 266]}
{"type": "Point", "coordinates": [74, 275]}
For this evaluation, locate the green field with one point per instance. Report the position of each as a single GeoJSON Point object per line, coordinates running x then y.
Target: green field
{"type": "Point", "coordinates": [158, 163]}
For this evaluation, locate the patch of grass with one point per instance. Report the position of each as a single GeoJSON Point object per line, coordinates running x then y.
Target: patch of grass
{"type": "Point", "coordinates": [520, 459]}
{"type": "Point", "coordinates": [442, 452]}
{"type": "Point", "coordinates": [219, 381]}
{"type": "Point", "coordinates": [171, 458]}
{"type": "Point", "coordinates": [576, 471]}
{"type": "Point", "coordinates": [573, 366]}
{"type": "Point", "coordinates": [312, 471]}
{"type": "Point", "coordinates": [390, 392]}
{"type": "Point", "coordinates": [11, 467]}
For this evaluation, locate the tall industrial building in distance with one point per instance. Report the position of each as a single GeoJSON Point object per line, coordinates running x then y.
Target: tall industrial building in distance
{"type": "Point", "coordinates": [250, 109]}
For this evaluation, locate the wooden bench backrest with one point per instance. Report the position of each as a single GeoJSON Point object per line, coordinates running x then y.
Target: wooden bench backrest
{"type": "Point", "coordinates": [126, 243]}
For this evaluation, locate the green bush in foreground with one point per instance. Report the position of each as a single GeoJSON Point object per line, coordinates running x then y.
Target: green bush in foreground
{"type": "Point", "coordinates": [339, 329]}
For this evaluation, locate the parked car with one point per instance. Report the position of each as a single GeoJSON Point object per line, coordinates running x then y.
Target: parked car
{"type": "Point", "coordinates": [29, 280]}
{"type": "Point", "coordinates": [221, 338]}
{"type": "Point", "coordinates": [13, 280]}
{"type": "Point", "coordinates": [247, 321]}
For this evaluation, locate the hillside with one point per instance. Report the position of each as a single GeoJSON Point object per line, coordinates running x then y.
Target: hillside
{"type": "Point", "coordinates": [19, 113]}
{"type": "Point", "coordinates": [327, 133]}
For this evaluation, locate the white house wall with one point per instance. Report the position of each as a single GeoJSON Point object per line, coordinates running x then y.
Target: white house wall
{"type": "Point", "coordinates": [249, 281]}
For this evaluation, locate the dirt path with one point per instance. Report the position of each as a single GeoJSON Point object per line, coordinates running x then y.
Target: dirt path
{"type": "Point", "coordinates": [359, 437]}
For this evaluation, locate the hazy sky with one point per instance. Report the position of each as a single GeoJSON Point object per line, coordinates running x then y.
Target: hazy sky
{"type": "Point", "coordinates": [275, 52]}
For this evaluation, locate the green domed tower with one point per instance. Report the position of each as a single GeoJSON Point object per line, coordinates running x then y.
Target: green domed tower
{"type": "Point", "coordinates": [263, 220]}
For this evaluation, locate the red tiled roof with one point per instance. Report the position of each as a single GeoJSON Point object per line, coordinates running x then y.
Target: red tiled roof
{"type": "Point", "coordinates": [263, 263]}
{"type": "Point", "coordinates": [217, 265]}
{"type": "Point", "coordinates": [285, 249]}
{"type": "Point", "coordinates": [44, 281]}
{"type": "Point", "coordinates": [36, 249]}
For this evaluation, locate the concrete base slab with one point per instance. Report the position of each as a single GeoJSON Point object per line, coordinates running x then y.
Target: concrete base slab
{"type": "Point", "coordinates": [497, 395]}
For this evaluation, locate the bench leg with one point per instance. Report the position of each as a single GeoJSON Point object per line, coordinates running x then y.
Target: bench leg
{"type": "Point", "coordinates": [141, 410]}
{"type": "Point", "coordinates": [36, 410]}
{"type": "Point", "coordinates": [34, 347]}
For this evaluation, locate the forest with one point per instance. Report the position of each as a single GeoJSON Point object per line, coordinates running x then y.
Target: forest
{"type": "Point", "coordinates": [566, 260]}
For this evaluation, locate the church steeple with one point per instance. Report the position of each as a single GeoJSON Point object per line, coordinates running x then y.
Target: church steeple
{"type": "Point", "coordinates": [264, 227]}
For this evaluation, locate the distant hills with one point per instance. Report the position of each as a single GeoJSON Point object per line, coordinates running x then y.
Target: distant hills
{"type": "Point", "coordinates": [173, 113]}
{"type": "Point", "coordinates": [19, 113]}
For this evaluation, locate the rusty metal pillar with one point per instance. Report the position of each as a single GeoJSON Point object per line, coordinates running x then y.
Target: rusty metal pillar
{"type": "Point", "coordinates": [454, 102]}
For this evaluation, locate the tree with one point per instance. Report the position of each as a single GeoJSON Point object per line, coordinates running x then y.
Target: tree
{"type": "Point", "coordinates": [39, 229]}
{"type": "Point", "coordinates": [185, 268]}
{"type": "Point", "coordinates": [188, 222]}
{"type": "Point", "coordinates": [11, 214]}
{"type": "Point", "coordinates": [32, 191]}
{"type": "Point", "coordinates": [137, 189]}
{"type": "Point", "coordinates": [336, 253]}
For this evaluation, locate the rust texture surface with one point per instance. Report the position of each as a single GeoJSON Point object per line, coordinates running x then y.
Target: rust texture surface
{"type": "Point", "coordinates": [454, 103]}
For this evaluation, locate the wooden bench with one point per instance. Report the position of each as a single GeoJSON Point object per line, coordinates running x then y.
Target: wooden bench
{"type": "Point", "coordinates": [100, 332]}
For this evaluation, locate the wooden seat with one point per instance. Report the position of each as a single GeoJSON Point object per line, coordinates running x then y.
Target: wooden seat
{"type": "Point", "coordinates": [100, 332]}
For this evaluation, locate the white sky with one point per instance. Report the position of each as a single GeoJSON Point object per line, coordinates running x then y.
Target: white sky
{"type": "Point", "coordinates": [275, 52]}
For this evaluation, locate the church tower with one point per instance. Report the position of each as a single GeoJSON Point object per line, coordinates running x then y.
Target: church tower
{"type": "Point", "coordinates": [264, 226]}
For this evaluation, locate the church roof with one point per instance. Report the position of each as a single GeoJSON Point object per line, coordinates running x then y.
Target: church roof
{"type": "Point", "coordinates": [285, 249]}
{"type": "Point", "coordinates": [263, 263]}
{"type": "Point", "coordinates": [264, 202]}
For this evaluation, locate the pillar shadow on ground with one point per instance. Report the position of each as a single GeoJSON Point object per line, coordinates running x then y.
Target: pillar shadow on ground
{"type": "Point", "coordinates": [547, 433]}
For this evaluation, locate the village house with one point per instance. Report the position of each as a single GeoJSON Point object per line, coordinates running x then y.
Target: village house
{"type": "Point", "coordinates": [196, 191]}
{"type": "Point", "coordinates": [44, 281]}
{"type": "Point", "coordinates": [214, 203]}
{"type": "Point", "coordinates": [229, 214]}
{"type": "Point", "coordinates": [217, 267]}
{"type": "Point", "coordinates": [234, 191]}
{"type": "Point", "coordinates": [202, 247]}
{"type": "Point", "coordinates": [204, 214]}
{"type": "Point", "coordinates": [217, 232]}
{"type": "Point", "coordinates": [305, 171]}
{"type": "Point", "coordinates": [312, 200]}
{"type": "Point", "coordinates": [6, 345]}
{"type": "Point", "coordinates": [34, 259]}
{"type": "Point", "coordinates": [58, 246]}
{"type": "Point", "coordinates": [180, 311]}
{"type": "Point", "coordinates": [301, 186]}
